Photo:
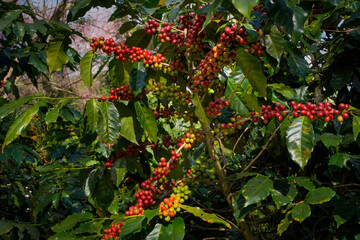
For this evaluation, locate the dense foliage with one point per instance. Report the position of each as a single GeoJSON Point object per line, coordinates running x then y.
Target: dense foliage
{"type": "Point", "coordinates": [222, 120]}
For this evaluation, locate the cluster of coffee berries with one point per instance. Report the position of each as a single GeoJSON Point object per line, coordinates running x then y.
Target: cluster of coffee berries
{"type": "Point", "coordinates": [164, 112]}
{"type": "Point", "coordinates": [191, 138]}
{"type": "Point", "coordinates": [166, 35]}
{"type": "Point", "coordinates": [123, 93]}
{"type": "Point", "coordinates": [260, 8]}
{"type": "Point", "coordinates": [267, 112]}
{"type": "Point", "coordinates": [112, 232]}
{"type": "Point", "coordinates": [169, 206]}
{"type": "Point", "coordinates": [213, 108]}
{"type": "Point", "coordinates": [131, 152]}
{"type": "Point", "coordinates": [137, 209]}
{"type": "Point", "coordinates": [123, 52]}
{"type": "Point", "coordinates": [255, 48]}
{"type": "Point", "coordinates": [151, 26]}
{"type": "Point", "coordinates": [165, 142]}
{"type": "Point", "coordinates": [321, 110]}
{"type": "Point", "coordinates": [171, 93]}
{"type": "Point", "coordinates": [175, 67]}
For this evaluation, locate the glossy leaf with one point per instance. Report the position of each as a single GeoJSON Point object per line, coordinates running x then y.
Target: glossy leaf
{"type": "Point", "coordinates": [109, 124]}
{"type": "Point", "coordinates": [339, 160]}
{"type": "Point", "coordinates": [240, 211]}
{"type": "Point", "coordinates": [245, 7]}
{"type": "Point", "coordinates": [301, 211]}
{"type": "Point", "coordinates": [299, 19]}
{"type": "Point", "coordinates": [7, 108]}
{"type": "Point", "coordinates": [330, 140]}
{"type": "Point", "coordinates": [199, 110]}
{"type": "Point", "coordinates": [137, 78]}
{"type": "Point", "coordinates": [147, 120]}
{"type": "Point", "coordinates": [279, 11]}
{"type": "Point", "coordinates": [207, 217]}
{"type": "Point", "coordinates": [7, 18]}
{"type": "Point", "coordinates": [300, 139]}
{"type": "Point", "coordinates": [118, 171]}
{"type": "Point", "coordinates": [320, 195]}
{"type": "Point", "coordinates": [78, 9]}
{"type": "Point", "coordinates": [356, 126]}
{"type": "Point", "coordinates": [21, 123]}
{"type": "Point", "coordinates": [91, 181]}
{"type": "Point", "coordinates": [85, 69]}
{"type": "Point", "coordinates": [55, 53]}
{"type": "Point", "coordinates": [132, 225]}
{"type": "Point", "coordinates": [297, 64]}
{"type": "Point", "coordinates": [257, 189]}
{"type": "Point", "coordinates": [92, 113]}
{"type": "Point", "coordinates": [251, 66]}
{"type": "Point", "coordinates": [274, 43]}
{"type": "Point", "coordinates": [127, 122]}
{"type": "Point", "coordinates": [52, 115]}
{"type": "Point", "coordinates": [71, 221]}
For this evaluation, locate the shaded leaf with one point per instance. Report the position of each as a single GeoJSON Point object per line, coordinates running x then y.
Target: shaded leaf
{"type": "Point", "coordinates": [339, 160]}
{"type": "Point", "coordinates": [320, 195]}
{"type": "Point", "coordinates": [284, 224]}
{"type": "Point", "coordinates": [7, 108]}
{"type": "Point", "coordinates": [356, 126]}
{"type": "Point", "coordinates": [147, 120]}
{"type": "Point", "coordinates": [127, 26]}
{"type": "Point", "coordinates": [297, 64]}
{"type": "Point", "coordinates": [304, 182]}
{"type": "Point", "coordinates": [301, 211]}
{"type": "Point", "coordinates": [137, 78]}
{"type": "Point", "coordinates": [139, 39]}
{"type": "Point", "coordinates": [85, 69]}
{"type": "Point", "coordinates": [5, 226]}
{"type": "Point", "coordinates": [37, 63]}
{"type": "Point", "coordinates": [91, 181]}
{"type": "Point", "coordinates": [55, 54]}
{"type": "Point", "coordinates": [71, 221]}
{"type": "Point", "coordinates": [279, 11]}
{"type": "Point", "coordinates": [257, 189]}
{"type": "Point", "coordinates": [132, 225]}
{"type": "Point", "coordinates": [7, 18]}
{"type": "Point", "coordinates": [207, 217]}
{"type": "Point", "coordinates": [330, 140]}
{"type": "Point", "coordinates": [300, 139]}
{"type": "Point", "coordinates": [274, 43]}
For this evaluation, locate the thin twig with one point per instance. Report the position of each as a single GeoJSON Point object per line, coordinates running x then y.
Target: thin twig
{"type": "Point", "coordinates": [262, 150]}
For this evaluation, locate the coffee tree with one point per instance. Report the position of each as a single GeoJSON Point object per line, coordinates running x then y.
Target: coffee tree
{"type": "Point", "coordinates": [224, 119]}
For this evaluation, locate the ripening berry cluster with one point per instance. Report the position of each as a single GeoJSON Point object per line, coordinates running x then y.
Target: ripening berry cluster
{"type": "Point", "coordinates": [321, 110]}
{"type": "Point", "coordinates": [191, 138]}
{"type": "Point", "coordinates": [255, 48]}
{"type": "Point", "coordinates": [112, 232]}
{"type": "Point", "coordinates": [164, 112]}
{"type": "Point", "coordinates": [123, 52]}
{"type": "Point", "coordinates": [171, 93]}
{"type": "Point", "coordinates": [175, 67]}
{"type": "Point", "coordinates": [267, 112]}
{"type": "Point", "coordinates": [123, 93]}
{"type": "Point", "coordinates": [151, 26]}
{"type": "Point", "coordinates": [213, 108]}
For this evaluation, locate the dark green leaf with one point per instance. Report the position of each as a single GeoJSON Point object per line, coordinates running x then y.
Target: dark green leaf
{"type": "Point", "coordinates": [210, 12]}
{"type": "Point", "coordinates": [132, 225]}
{"type": "Point", "coordinates": [21, 123]}
{"type": "Point", "coordinates": [330, 140]}
{"type": "Point", "coordinates": [356, 126]}
{"type": "Point", "coordinates": [137, 78]}
{"type": "Point", "coordinates": [5, 226]}
{"type": "Point", "coordinates": [199, 110]}
{"type": "Point", "coordinates": [283, 193]}
{"type": "Point", "coordinates": [71, 221]}
{"type": "Point", "coordinates": [279, 11]}
{"type": "Point", "coordinates": [207, 217]}
{"type": "Point", "coordinates": [118, 171]}
{"type": "Point", "coordinates": [252, 68]}
{"type": "Point", "coordinates": [139, 39]}
{"type": "Point", "coordinates": [299, 18]}
{"type": "Point", "coordinates": [235, 101]}
{"type": "Point", "coordinates": [304, 182]}
{"type": "Point", "coordinates": [78, 9]}
{"type": "Point", "coordinates": [147, 120]}
{"type": "Point", "coordinates": [300, 139]}
{"type": "Point", "coordinates": [320, 195]}
{"type": "Point", "coordinates": [91, 181]}
{"type": "Point", "coordinates": [251, 102]}
{"type": "Point", "coordinates": [90, 227]}
{"type": "Point", "coordinates": [245, 7]}
{"type": "Point", "coordinates": [117, 72]}
{"type": "Point", "coordinates": [240, 211]}
{"type": "Point", "coordinates": [36, 62]}
{"type": "Point", "coordinates": [173, 231]}
{"type": "Point", "coordinates": [108, 123]}
{"type": "Point", "coordinates": [344, 211]}
{"type": "Point", "coordinates": [85, 69]}
{"type": "Point", "coordinates": [284, 90]}
{"type": "Point", "coordinates": [55, 54]}
{"type": "Point", "coordinates": [63, 236]}
{"type": "Point", "coordinates": [257, 189]}
{"type": "Point", "coordinates": [341, 77]}
{"type": "Point", "coordinates": [301, 211]}
{"type": "Point", "coordinates": [92, 112]}
{"type": "Point", "coordinates": [297, 64]}
{"type": "Point", "coordinates": [274, 43]}
{"type": "Point", "coordinates": [339, 160]}
{"type": "Point", "coordinates": [284, 224]}
{"type": "Point", "coordinates": [7, 19]}
{"type": "Point", "coordinates": [127, 26]}
{"type": "Point", "coordinates": [6, 109]}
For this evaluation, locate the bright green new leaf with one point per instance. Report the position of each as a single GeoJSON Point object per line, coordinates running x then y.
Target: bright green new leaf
{"type": "Point", "coordinates": [300, 139]}
{"type": "Point", "coordinates": [320, 195]}
{"type": "Point", "coordinates": [257, 189]}
{"type": "Point", "coordinates": [85, 69]}
{"type": "Point", "coordinates": [55, 53]}
{"type": "Point", "coordinates": [199, 110]}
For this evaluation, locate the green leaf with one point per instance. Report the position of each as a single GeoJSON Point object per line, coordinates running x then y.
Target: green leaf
{"type": "Point", "coordinates": [320, 195]}
{"type": "Point", "coordinates": [301, 211]}
{"type": "Point", "coordinates": [356, 126]}
{"type": "Point", "coordinates": [339, 160]}
{"type": "Point", "coordinates": [6, 109]}
{"type": "Point", "coordinates": [137, 78]}
{"type": "Point", "coordinates": [147, 120]}
{"type": "Point", "coordinates": [90, 227]}
{"type": "Point", "coordinates": [341, 77]}
{"type": "Point", "coordinates": [245, 7]}
{"type": "Point", "coordinates": [118, 171]}
{"type": "Point", "coordinates": [159, 232]}
{"type": "Point", "coordinates": [235, 102]}
{"type": "Point", "coordinates": [85, 69]}
{"type": "Point", "coordinates": [8, 17]}
{"type": "Point", "coordinates": [91, 181]}
{"type": "Point", "coordinates": [199, 110]}
{"type": "Point", "coordinates": [92, 112]}
{"type": "Point", "coordinates": [299, 19]}
{"type": "Point", "coordinates": [274, 43]}
{"type": "Point", "coordinates": [297, 64]}
{"type": "Point", "coordinates": [79, 9]}
{"type": "Point", "coordinates": [63, 236]}
{"type": "Point", "coordinates": [55, 54]}
{"type": "Point", "coordinates": [5, 226]}
{"type": "Point", "coordinates": [52, 115]}
{"type": "Point", "coordinates": [240, 211]}
{"type": "Point", "coordinates": [210, 12]}
{"type": "Point", "coordinates": [139, 39]}
{"type": "Point", "coordinates": [173, 231]}
{"type": "Point", "coordinates": [21, 123]}
{"type": "Point", "coordinates": [279, 11]}
{"type": "Point", "coordinates": [127, 26]}
{"type": "Point", "coordinates": [109, 124]}
{"type": "Point", "coordinates": [251, 66]}
{"type": "Point", "coordinates": [283, 193]}
{"type": "Point", "coordinates": [284, 224]}
{"type": "Point", "coordinates": [330, 140]}
{"type": "Point", "coordinates": [35, 60]}
{"type": "Point", "coordinates": [127, 122]}
{"type": "Point", "coordinates": [207, 217]}
{"type": "Point", "coordinates": [117, 72]}
{"type": "Point", "coordinates": [304, 182]}
{"type": "Point", "coordinates": [150, 214]}
{"type": "Point", "coordinates": [178, 229]}
{"type": "Point", "coordinates": [300, 139]}
{"type": "Point", "coordinates": [251, 102]}
{"type": "Point", "coordinates": [71, 221]}
{"type": "Point", "coordinates": [257, 189]}
{"type": "Point", "coordinates": [284, 90]}
{"type": "Point", "coordinates": [132, 225]}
